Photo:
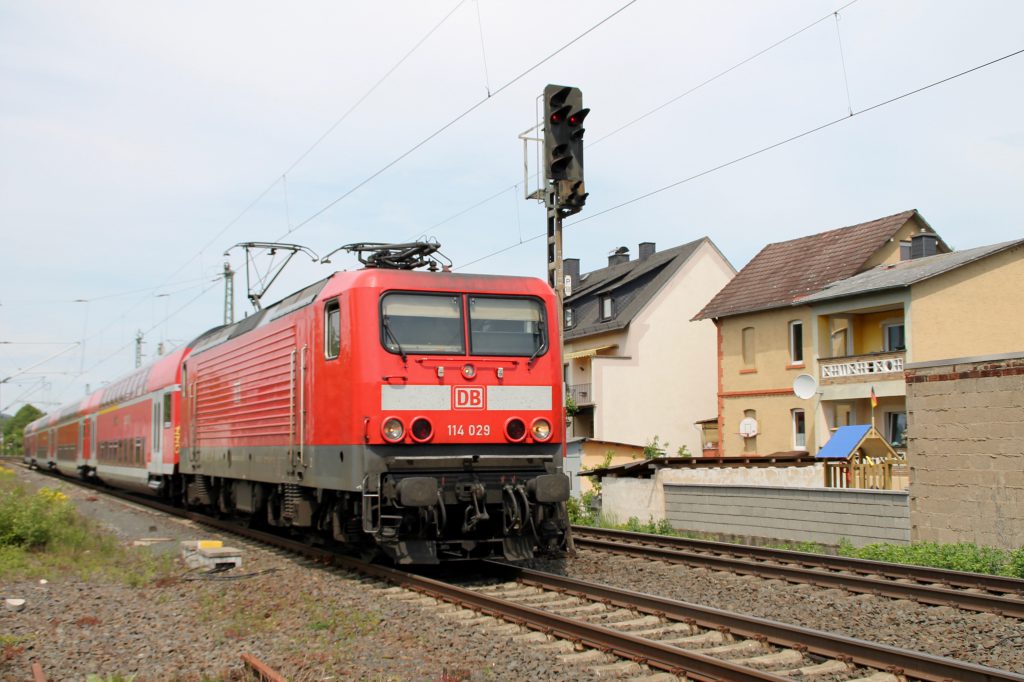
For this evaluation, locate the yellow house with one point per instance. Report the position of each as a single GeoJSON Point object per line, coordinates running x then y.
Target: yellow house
{"type": "Point", "coordinates": [772, 330]}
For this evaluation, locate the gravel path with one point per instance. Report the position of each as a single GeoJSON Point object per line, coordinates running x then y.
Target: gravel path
{"type": "Point", "coordinates": [943, 631]}
{"type": "Point", "coordinates": [305, 621]}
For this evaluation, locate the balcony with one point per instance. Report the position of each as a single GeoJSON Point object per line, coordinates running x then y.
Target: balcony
{"type": "Point", "coordinates": [581, 394]}
{"type": "Point", "coordinates": [853, 369]}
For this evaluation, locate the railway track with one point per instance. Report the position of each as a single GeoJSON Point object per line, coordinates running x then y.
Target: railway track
{"type": "Point", "coordinates": [976, 592]}
{"type": "Point", "coordinates": [633, 634]}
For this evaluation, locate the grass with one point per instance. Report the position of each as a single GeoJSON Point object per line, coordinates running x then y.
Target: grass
{"type": "Point", "coordinates": [955, 557]}
{"type": "Point", "coordinates": [42, 536]}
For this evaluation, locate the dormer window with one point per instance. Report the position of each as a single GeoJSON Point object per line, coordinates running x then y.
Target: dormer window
{"type": "Point", "coordinates": [905, 250]}
{"type": "Point", "coordinates": [606, 307]}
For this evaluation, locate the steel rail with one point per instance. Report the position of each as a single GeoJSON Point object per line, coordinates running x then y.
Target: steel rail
{"type": "Point", "coordinates": [914, 665]}
{"type": "Point", "coordinates": [939, 576]}
{"type": "Point", "coordinates": [1000, 604]}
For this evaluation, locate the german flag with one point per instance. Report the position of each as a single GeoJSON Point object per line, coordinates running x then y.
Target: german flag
{"type": "Point", "coordinates": [874, 398]}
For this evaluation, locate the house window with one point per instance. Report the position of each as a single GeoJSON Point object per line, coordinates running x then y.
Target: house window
{"type": "Point", "coordinates": [904, 250]}
{"type": "Point", "coordinates": [896, 428]}
{"type": "Point", "coordinates": [568, 317]}
{"type": "Point", "coordinates": [799, 430]}
{"type": "Point", "coordinates": [894, 337]}
{"type": "Point", "coordinates": [606, 307]}
{"type": "Point", "coordinates": [796, 342]}
{"type": "Point", "coordinates": [748, 347]}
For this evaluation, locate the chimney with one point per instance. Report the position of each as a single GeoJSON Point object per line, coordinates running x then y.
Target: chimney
{"type": "Point", "coordinates": [923, 244]}
{"type": "Point", "coordinates": [646, 250]}
{"type": "Point", "coordinates": [619, 255]}
{"type": "Point", "coordinates": [571, 269]}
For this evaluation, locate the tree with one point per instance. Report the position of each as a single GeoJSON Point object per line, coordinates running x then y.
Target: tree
{"type": "Point", "coordinates": [14, 428]}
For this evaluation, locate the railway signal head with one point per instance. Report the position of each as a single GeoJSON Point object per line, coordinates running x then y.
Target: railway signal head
{"type": "Point", "coordinates": [563, 139]}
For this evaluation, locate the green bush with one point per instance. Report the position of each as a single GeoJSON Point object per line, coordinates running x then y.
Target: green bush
{"type": "Point", "coordinates": [32, 521]}
{"type": "Point", "coordinates": [954, 557]}
{"type": "Point", "coordinates": [581, 513]}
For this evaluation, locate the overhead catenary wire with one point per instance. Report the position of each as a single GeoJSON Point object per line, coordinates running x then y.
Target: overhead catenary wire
{"type": "Point", "coordinates": [334, 202]}
{"type": "Point", "coordinates": [259, 197]}
{"type": "Point", "coordinates": [759, 151]}
{"type": "Point", "coordinates": [663, 105]}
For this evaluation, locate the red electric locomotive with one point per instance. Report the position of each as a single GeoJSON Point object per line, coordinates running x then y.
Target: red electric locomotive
{"type": "Point", "coordinates": [417, 412]}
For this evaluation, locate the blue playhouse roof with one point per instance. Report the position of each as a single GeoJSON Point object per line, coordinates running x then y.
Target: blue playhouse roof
{"type": "Point", "coordinates": [844, 442]}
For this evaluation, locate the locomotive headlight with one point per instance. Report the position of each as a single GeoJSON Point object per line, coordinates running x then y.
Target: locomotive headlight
{"type": "Point", "coordinates": [468, 371]}
{"type": "Point", "coordinates": [541, 429]}
{"type": "Point", "coordinates": [392, 429]}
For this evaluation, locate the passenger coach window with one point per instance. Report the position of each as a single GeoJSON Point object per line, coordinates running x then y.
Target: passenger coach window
{"type": "Point", "coordinates": [505, 326]}
{"type": "Point", "coordinates": [421, 323]}
{"type": "Point", "coordinates": [332, 329]}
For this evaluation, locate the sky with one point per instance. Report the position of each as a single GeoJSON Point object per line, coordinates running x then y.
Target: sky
{"type": "Point", "coordinates": [139, 142]}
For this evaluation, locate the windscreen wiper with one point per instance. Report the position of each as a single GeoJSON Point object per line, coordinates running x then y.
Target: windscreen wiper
{"type": "Point", "coordinates": [391, 335]}
{"type": "Point", "coordinates": [540, 344]}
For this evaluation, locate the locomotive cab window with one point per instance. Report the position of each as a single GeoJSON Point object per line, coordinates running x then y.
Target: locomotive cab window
{"type": "Point", "coordinates": [506, 326]}
{"type": "Point", "coordinates": [332, 329]}
{"type": "Point", "coordinates": [421, 323]}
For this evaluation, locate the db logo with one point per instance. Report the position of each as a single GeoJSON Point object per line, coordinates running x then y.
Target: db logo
{"type": "Point", "coordinates": [469, 397]}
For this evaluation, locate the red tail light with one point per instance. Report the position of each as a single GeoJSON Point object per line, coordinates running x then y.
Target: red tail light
{"type": "Point", "coordinates": [422, 430]}
{"type": "Point", "coordinates": [515, 429]}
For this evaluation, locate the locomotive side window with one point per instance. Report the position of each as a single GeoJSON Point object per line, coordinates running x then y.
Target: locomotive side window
{"type": "Point", "coordinates": [506, 326]}
{"type": "Point", "coordinates": [421, 323]}
{"type": "Point", "coordinates": [332, 329]}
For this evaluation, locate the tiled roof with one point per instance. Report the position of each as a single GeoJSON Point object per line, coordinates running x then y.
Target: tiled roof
{"type": "Point", "coordinates": [785, 271]}
{"type": "Point", "coordinates": [632, 284]}
{"type": "Point", "coordinates": [906, 272]}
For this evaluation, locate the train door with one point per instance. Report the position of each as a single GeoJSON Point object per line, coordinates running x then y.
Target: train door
{"type": "Point", "coordinates": [156, 454]}
{"type": "Point", "coordinates": [83, 442]}
{"type": "Point", "coordinates": [91, 455]}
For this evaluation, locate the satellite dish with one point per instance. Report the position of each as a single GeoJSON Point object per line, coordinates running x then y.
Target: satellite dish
{"type": "Point", "coordinates": [804, 386]}
{"type": "Point", "coordinates": [748, 427]}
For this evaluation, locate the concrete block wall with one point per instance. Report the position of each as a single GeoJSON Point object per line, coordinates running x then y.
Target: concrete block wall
{"type": "Point", "coordinates": [965, 449]}
{"type": "Point", "coordinates": [822, 515]}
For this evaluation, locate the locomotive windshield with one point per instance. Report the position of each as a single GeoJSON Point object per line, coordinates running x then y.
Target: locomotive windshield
{"type": "Point", "coordinates": [422, 323]}
{"type": "Point", "coordinates": [433, 323]}
{"type": "Point", "coordinates": [505, 326]}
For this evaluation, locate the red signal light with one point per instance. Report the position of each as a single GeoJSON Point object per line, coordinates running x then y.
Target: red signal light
{"type": "Point", "coordinates": [577, 118]}
{"type": "Point", "coordinates": [556, 117]}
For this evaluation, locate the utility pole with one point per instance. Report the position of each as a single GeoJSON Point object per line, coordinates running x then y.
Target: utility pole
{"type": "Point", "coordinates": [138, 349]}
{"type": "Point", "coordinates": [229, 294]}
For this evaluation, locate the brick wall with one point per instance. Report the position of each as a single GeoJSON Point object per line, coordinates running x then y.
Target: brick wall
{"type": "Point", "coordinates": [966, 450]}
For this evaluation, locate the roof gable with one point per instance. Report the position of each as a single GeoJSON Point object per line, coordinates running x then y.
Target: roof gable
{"type": "Point", "coordinates": [783, 272]}
{"type": "Point", "coordinates": [631, 285]}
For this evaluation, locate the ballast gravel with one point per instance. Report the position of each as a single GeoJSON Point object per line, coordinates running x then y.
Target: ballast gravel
{"type": "Point", "coordinates": [309, 622]}
{"type": "Point", "coordinates": [305, 621]}
{"type": "Point", "coordinates": [982, 638]}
